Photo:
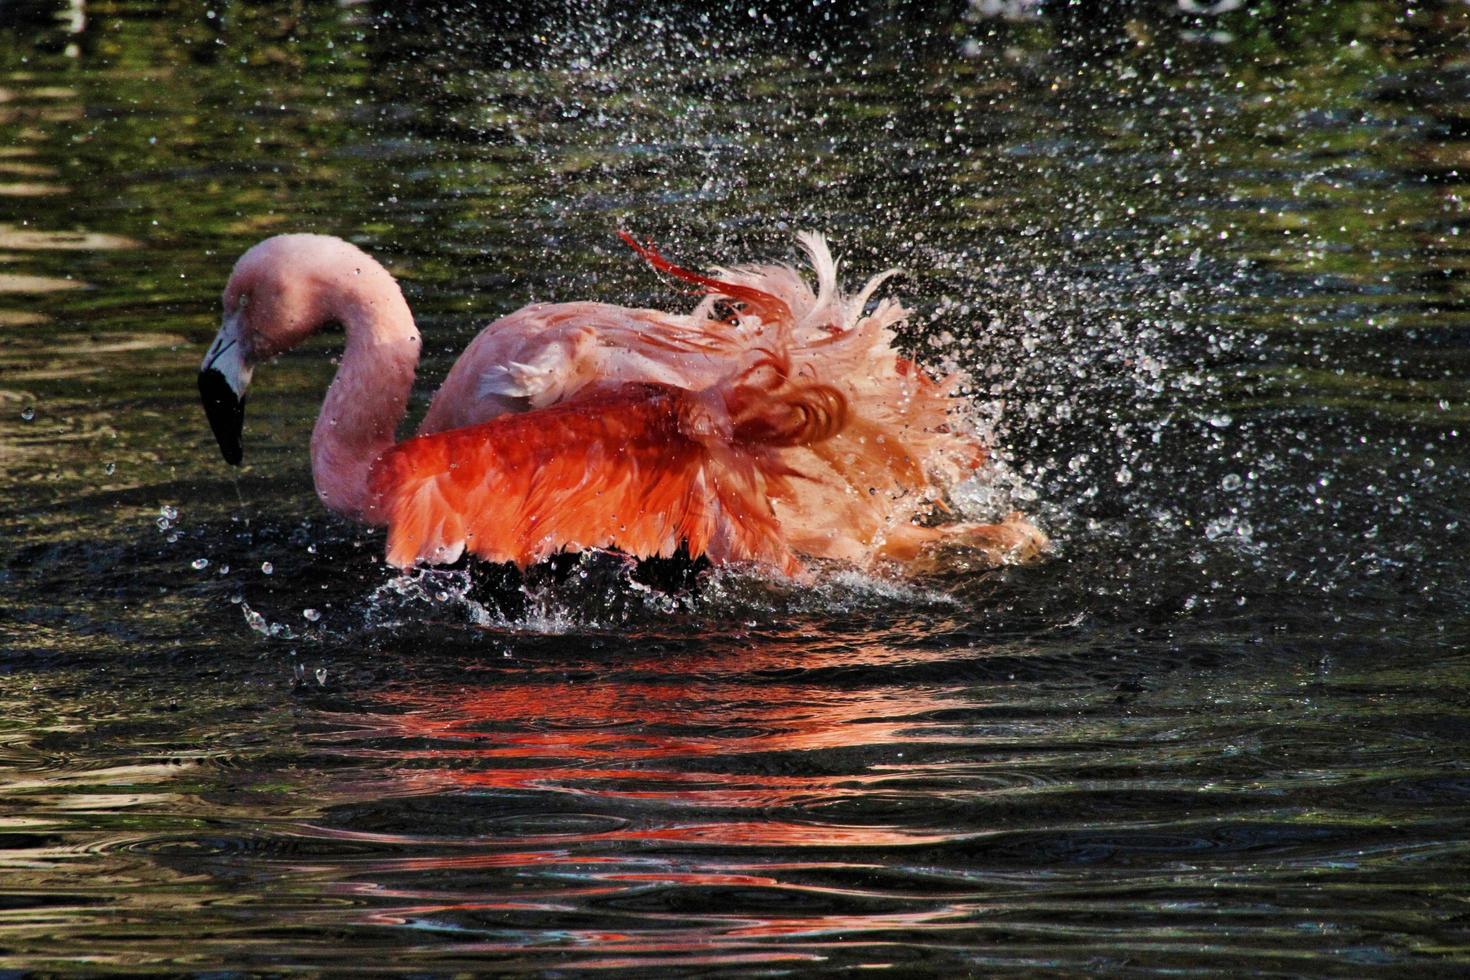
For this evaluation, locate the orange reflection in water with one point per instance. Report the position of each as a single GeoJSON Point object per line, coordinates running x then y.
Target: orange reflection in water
{"type": "Point", "coordinates": [657, 789]}
{"type": "Point", "coordinates": [774, 752]}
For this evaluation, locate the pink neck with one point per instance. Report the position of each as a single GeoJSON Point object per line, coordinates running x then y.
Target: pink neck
{"type": "Point", "coordinates": [368, 397]}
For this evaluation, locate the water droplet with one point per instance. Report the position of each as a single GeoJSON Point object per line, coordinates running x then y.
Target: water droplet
{"type": "Point", "coordinates": [254, 619]}
{"type": "Point", "coordinates": [1221, 421]}
{"type": "Point", "coordinates": [266, 568]}
{"type": "Point", "coordinates": [168, 513]}
{"type": "Point", "coordinates": [311, 549]}
{"type": "Point", "coordinates": [321, 676]}
{"type": "Point", "coordinates": [311, 615]}
{"type": "Point", "coordinates": [1231, 482]}
{"type": "Point", "coordinates": [110, 469]}
{"type": "Point", "coordinates": [27, 414]}
{"type": "Point", "coordinates": [199, 564]}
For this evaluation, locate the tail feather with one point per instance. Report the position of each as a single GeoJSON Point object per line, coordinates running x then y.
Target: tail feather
{"type": "Point", "coordinates": [814, 244]}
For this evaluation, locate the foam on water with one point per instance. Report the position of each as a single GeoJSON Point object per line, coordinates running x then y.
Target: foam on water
{"type": "Point", "coordinates": [602, 593]}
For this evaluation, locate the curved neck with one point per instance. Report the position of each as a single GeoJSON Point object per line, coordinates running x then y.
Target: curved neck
{"type": "Point", "coordinates": [369, 395]}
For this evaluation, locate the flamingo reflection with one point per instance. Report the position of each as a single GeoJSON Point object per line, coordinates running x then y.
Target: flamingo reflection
{"type": "Point", "coordinates": [761, 800]}
{"type": "Point", "coordinates": [770, 757]}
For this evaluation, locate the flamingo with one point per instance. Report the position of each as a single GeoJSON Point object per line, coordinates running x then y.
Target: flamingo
{"type": "Point", "coordinates": [771, 424]}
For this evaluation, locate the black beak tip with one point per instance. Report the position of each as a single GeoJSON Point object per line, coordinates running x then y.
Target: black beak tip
{"type": "Point", "coordinates": [226, 414]}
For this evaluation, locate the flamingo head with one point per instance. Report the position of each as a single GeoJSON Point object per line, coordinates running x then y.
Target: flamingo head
{"type": "Point", "coordinates": [281, 291]}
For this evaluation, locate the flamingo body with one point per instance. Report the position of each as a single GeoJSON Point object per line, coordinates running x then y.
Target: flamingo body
{"type": "Point", "coordinates": [770, 423]}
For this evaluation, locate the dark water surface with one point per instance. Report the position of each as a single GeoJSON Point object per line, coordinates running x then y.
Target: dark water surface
{"type": "Point", "coordinates": [1210, 276]}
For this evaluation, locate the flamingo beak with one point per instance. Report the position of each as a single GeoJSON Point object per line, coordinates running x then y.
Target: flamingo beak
{"type": "Point", "coordinates": [223, 379]}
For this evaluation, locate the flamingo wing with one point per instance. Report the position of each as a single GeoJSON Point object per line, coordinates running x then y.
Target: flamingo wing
{"type": "Point", "coordinates": [546, 368]}
{"type": "Point", "coordinates": [632, 468]}
{"type": "Point", "coordinates": [545, 354]}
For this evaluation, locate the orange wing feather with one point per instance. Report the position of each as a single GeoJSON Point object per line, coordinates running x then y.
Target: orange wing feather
{"type": "Point", "coordinates": [621, 469]}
